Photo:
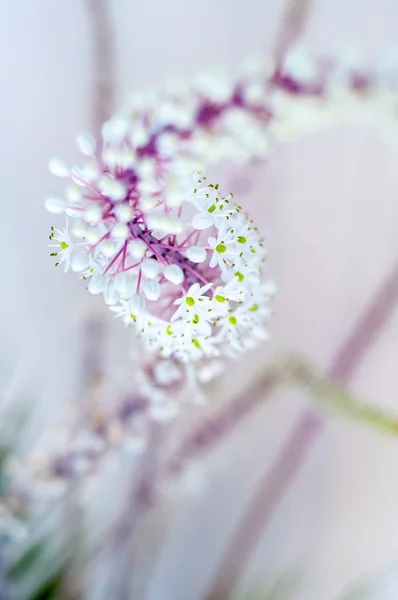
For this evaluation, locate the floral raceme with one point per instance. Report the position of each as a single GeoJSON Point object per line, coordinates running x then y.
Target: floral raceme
{"type": "Point", "coordinates": [184, 270]}
{"type": "Point", "coordinates": [174, 256]}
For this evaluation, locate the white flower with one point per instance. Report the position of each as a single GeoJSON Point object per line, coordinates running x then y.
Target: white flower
{"type": "Point", "coordinates": [224, 247]}
{"type": "Point", "coordinates": [212, 208]}
{"type": "Point", "coordinates": [193, 302]}
{"type": "Point", "coordinates": [136, 240]}
{"type": "Point", "coordinates": [65, 245]}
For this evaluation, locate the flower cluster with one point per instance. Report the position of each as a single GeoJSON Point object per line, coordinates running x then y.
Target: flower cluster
{"type": "Point", "coordinates": [171, 255]}
{"type": "Point", "coordinates": [187, 277]}
{"type": "Point", "coordinates": [83, 445]}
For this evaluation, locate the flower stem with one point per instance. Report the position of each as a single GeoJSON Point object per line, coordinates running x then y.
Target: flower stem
{"type": "Point", "coordinates": [293, 23]}
{"type": "Point", "coordinates": [103, 43]}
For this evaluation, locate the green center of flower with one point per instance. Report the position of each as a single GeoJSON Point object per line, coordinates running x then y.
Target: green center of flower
{"type": "Point", "coordinates": [232, 320]}
{"type": "Point", "coordinates": [189, 300]}
{"type": "Point", "coordinates": [221, 248]}
{"type": "Point", "coordinates": [242, 239]}
{"type": "Point", "coordinates": [64, 245]}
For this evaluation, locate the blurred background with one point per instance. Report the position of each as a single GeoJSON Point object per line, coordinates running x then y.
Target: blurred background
{"type": "Point", "coordinates": [327, 205]}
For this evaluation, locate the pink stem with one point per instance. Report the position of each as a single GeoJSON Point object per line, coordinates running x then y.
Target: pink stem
{"type": "Point", "coordinates": [104, 237]}
{"type": "Point", "coordinates": [137, 291]}
{"type": "Point", "coordinates": [123, 261]}
{"type": "Point", "coordinates": [160, 258]}
{"type": "Point", "coordinates": [189, 237]}
{"type": "Point", "coordinates": [114, 259]}
{"type": "Point", "coordinates": [132, 267]}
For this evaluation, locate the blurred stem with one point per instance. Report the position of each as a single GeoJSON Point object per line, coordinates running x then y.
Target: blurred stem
{"type": "Point", "coordinates": [291, 458]}
{"type": "Point", "coordinates": [270, 491]}
{"type": "Point", "coordinates": [122, 546]}
{"type": "Point", "coordinates": [103, 67]}
{"type": "Point", "coordinates": [293, 24]}
{"type": "Point", "coordinates": [322, 389]}
{"type": "Point", "coordinates": [325, 391]}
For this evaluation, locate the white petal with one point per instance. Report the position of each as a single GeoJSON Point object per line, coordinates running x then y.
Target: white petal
{"type": "Point", "coordinates": [139, 135]}
{"type": "Point", "coordinates": [77, 174]}
{"type": "Point", "coordinates": [111, 295]}
{"type": "Point", "coordinates": [197, 254]}
{"type": "Point", "coordinates": [90, 172]}
{"type": "Point", "coordinates": [93, 214]}
{"type": "Point", "coordinates": [214, 260]}
{"type": "Point", "coordinates": [115, 130]}
{"type": "Point", "coordinates": [137, 248]}
{"type": "Point", "coordinates": [151, 290]}
{"type": "Point", "coordinates": [120, 230]}
{"type": "Point", "coordinates": [150, 268]}
{"type": "Point", "coordinates": [80, 262]}
{"type": "Point", "coordinates": [124, 212]}
{"type": "Point", "coordinates": [148, 203]}
{"type": "Point", "coordinates": [79, 230]}
{"type": "Point", "coordinates": [202, 221]}
{"type": "Point", "coordinates": [174, 274]}
{"type": "Point", "coordinates": [125, 284]}
{"type": "Point", "coordinates": [118, 191]}
{"type": "Point", "coordinates": [73, 193]}
{"type": "Point", "coordinates": [58, 167]}
{"type": "Point", "coordinates": [73, 211]}
{"type": "Point", "coordinates": [113, 188]}
{"type": "Point", "coordinates": [137, 304]}
{"type": "Point", "coordinates": [93, 234]}
{"type": "Point", "coordinates": [86, 143]}
{"type": "Point", "coordinates": [164, 223]}
{"type": "Point", "coordinates": [55, 205]}
{"type": "Point", "coordinates": [96, 284]}
{"type": "Point", "coordinates": [108, 248]}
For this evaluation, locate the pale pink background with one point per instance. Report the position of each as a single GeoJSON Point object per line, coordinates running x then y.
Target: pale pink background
{"type": "Point", "coordinates": [328, 207]}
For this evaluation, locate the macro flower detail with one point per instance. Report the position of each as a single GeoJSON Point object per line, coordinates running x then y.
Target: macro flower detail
{"type": "Point", "coordinates": [182, 286]}
{"type": "Point", "coordinates": [146, 227]}
{"type": "Point", "coordinates": [173, 256]}
{"type": "Point", "coordinates": [64, 245]}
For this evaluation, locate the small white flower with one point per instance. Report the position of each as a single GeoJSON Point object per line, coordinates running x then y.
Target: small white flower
{"type": "Point", "coordinates": [65, 245]}
{"type": "Point", "coordinates": [224, 247]}
{"type": "Point", "coordinates": [194, 301]}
